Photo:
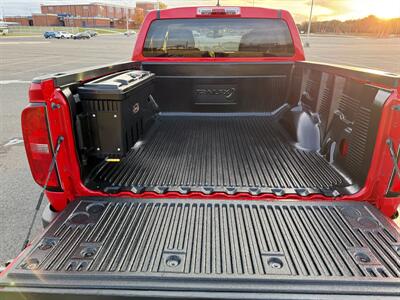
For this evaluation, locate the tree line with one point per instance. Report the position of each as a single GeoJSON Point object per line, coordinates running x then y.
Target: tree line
{"type": "Point", "coordinates": [370, 25]}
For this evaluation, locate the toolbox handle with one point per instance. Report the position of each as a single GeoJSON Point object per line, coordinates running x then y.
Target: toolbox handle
{"type": "Point", "coordinates": [134, 75]}
{"type": "Point", "coordinates": [137, 75]}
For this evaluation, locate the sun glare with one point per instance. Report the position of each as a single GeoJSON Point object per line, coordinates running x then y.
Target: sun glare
{"type": "Point", "coordinates": [381, 8]}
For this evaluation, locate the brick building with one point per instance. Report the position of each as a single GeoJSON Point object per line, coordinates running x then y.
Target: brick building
{"type": "Point", "coordinates": [87, 22]}
{"type": "Point", "coordinates": [95, 14]}
{"type": "Point", "coordinates": [46, 20]}
{"type": "Point", "coordinates": [36, 20]}
{"type": "Point", "coordinates": [147, 6]}
{"type": "Point", "coordinates": [21, 20]}
{"type": "Point", "coordinates": [90, 10]}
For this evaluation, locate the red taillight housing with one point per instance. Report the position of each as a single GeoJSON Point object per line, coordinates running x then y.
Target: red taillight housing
{"type": "Point", "coordinates": [38, 145]}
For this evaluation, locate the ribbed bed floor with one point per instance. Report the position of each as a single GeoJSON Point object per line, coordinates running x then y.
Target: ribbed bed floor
{"type": "Point", "coordinates": [264, 247]}
{"type": "Point", "coordinates": [219, 154]}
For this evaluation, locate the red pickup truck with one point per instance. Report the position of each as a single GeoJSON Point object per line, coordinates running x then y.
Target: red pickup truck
{"type": "Point", "coordinates": [218, 163]}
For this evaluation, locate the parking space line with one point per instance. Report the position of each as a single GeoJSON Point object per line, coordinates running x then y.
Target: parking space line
{"type": "Point", "coordinates": [30, 60]}
{"type": "Point", "coordinates": [21, 43]}
{"type": "Point", "coordinates": [13, 81]}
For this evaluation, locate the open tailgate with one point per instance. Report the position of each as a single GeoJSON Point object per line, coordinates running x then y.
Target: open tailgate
{"type": "Point", "coordinates": [102, 248]}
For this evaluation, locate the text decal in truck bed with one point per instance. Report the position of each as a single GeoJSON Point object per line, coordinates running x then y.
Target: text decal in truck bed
{"type": "Point", "coordinates": [215, 94]}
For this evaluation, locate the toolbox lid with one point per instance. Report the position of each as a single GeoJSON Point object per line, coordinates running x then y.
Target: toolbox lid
{"type": "Point", "coordinates": [115, 84]}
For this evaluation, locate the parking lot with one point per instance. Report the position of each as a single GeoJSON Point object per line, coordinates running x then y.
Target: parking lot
{"type": "Point", "coordinates": [25, 58]}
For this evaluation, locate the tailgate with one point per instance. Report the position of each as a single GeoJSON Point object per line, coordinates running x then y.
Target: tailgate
{"type": "Point", "coordinates": [210, 249]}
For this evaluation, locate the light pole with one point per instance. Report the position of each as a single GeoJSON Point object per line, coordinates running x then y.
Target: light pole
{"type": "Point", "coordinates": [127, 20]}
{"type": "Point", "coordinates": [307, 43]}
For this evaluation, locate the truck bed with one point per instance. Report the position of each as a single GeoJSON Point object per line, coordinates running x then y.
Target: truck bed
{"type": "Point", "coordinates": [212, 248]}
{"type": "Point", "coordinates": [219, 153]}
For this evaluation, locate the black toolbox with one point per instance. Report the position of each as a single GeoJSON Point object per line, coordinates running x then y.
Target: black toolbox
{"type": "Point", "coordinates": [115, 110]}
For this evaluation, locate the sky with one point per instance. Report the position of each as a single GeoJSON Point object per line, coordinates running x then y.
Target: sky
{"type": "Point", "coordinates": [323, 9]}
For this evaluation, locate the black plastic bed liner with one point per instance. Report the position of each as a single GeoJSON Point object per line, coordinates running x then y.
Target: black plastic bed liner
{"type": "Point", "coordinates": [211, 249]}
{"type": "Point", "coordinates": [229, 154]}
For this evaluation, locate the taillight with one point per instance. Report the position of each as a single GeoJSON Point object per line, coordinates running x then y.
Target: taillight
{"type": "Point", "coordinates": [37, 144]}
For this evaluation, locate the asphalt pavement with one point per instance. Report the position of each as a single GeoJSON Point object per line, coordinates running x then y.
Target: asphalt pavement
{"type": "Point", "coordinates": [21, 59]}
{"type": "Point", "coordinates": [379, 54]}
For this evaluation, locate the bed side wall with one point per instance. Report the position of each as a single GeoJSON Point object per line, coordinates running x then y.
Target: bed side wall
{"type": "Point", "coordinates": [347, 105]}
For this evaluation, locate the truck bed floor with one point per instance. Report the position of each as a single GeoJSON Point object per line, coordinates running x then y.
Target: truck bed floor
{"type": "Point", "coordinates": [212, 246]}
{"type": "Point", "coordinates": [209, 154]}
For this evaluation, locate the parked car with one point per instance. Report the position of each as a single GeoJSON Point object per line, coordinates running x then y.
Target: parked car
{"type": "Point", "coordinates": [200, 170]}
{"type": "Point", "coordinates": [57, 34]}
{"type": "Point", "coordinates": [91, 32]}
{"type": "Point", "coordinates": [129, 33]}
{"type": "Point", "coordinates": [64, 35]}
{"type": "Point", "coordinates": [3, 28]}
{"type": "Point", "coordinates": [81, 36]}
{"type": "Point", "coordinates": [50, 34]}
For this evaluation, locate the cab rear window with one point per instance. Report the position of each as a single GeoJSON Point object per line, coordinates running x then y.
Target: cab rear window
{"type": "Point", "coordinates": [211, 37]}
